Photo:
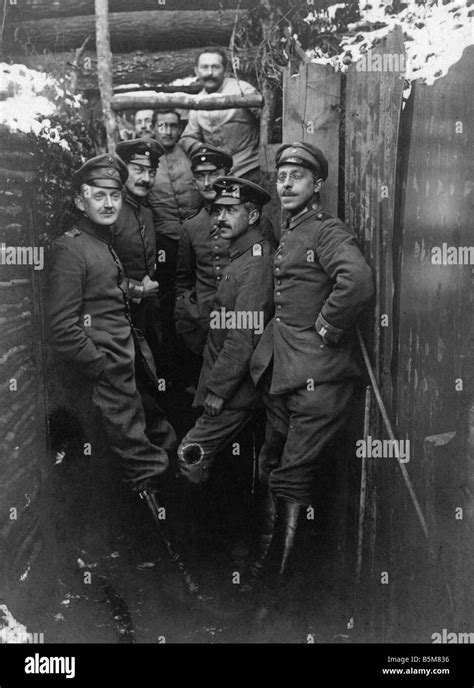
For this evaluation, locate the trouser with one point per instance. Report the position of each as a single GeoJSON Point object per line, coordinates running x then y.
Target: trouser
{"type": "Point", "coordinates": [122, 418]}
{"type": "Point", "coordinates": [301, 423]}
{"type": "Point", "coordinates": [206, 439]}
{"type": "Point", "coordinates": [158, 429]}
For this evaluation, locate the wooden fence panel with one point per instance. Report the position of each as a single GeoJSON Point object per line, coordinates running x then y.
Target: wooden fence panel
{"type": "Point", "coordinates": [311, 112]}
{"type": "Point", "coordinates": [434, 349]}
{"type": "Point", "coordinates": [373, 101]}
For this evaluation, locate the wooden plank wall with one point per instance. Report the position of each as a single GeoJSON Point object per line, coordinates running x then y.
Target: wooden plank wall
{"type": "Point", "coordinates": [373, 101]}
{"type": "Point", "coordinates": [311, 112]}
{"type": "Point", "coordinates": [26, 536]}
{"type": "Point", "coordinates": [435, 314]}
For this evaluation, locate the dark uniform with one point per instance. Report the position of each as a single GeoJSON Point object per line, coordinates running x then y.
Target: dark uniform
{"type": "Point", "coordinates": [202, 258]}
{"type": "Point", "coordinates": [305, 357]}
{"type": "Point", "coordinates": [133, 238]}
{"type": "Point", "coordinates": [91, 332]}
{"type": "Point", "coordinates": [245, 287]}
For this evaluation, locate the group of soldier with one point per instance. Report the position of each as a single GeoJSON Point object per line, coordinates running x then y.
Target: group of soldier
{"type": "Point", "coordinates": [171, 253]}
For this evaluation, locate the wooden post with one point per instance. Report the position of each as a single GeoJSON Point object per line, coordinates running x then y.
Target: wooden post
{"type": "Point", "coordinates": [104, 70]}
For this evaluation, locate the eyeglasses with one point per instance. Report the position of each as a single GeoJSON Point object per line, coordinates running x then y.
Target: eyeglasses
{"type": "Point", "coordinates": [294, 176]}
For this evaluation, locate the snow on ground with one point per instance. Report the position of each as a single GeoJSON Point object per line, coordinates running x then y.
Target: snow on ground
{"type": "Point", "coordinates": [435, 36]}
{"type": "Point", "coordinates": [11, 630]}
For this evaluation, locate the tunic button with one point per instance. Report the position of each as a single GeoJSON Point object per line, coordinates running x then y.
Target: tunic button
{"type": "Point", "coordinates": [216, 248]}
{"type": "Point", "coordinates": [217, 267]}
{"type": "Point", "coordinates": [217, 257]}
{"type": "Point", "coordinates": [278, 293]}
{"type": "Point", "coordinates": [218, 277]}
{"type": "Point", "coordinates": [279, 306]}
{"type": "Point", "coordinates": [277, 269]}
{"type": "Point", "coordinates": [278, 282]}
{"type": "Point", "coordinates": [278, 319]}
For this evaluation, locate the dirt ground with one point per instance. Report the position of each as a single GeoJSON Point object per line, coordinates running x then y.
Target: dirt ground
{"type": "Point", "coordinates": [115, 582]}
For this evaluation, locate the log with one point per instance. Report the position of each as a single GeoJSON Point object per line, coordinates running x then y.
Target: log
{"type": "Point", "coordinates": [153, 100]}
{"type": "Point", "coordinates": [44, 9]}
{"type": "Point", "coordinates": [144, 69]}
{"type": "Point", "coordinates": [128, 31]}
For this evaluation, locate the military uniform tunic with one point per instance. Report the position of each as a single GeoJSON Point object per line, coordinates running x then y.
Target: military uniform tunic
{"type": "Point", "coordinates": [202, 259]}
{"type": "Point", "coordinates": [321, 283]}
{"type": "Point", "coordinates": [91, 334]}
{"type": "Point", "coordinates": [245, 287]}
{"type": "Point", "coordinates": [133, 238]}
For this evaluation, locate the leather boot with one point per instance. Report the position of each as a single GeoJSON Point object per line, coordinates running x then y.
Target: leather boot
{"type": "Point", "coordinates": [279, 556]}
{"type": "Point", "coordinates": [190, 584]}
{"type": "Point", "coordinates": [266, 520]}
{"type": "Point", "coordinates": [269, 458]}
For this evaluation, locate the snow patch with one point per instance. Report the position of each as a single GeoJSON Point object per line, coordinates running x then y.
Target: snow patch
{"type": "Point", "coordinates": [435, 36]}
{"type": "Point", "coordinates": [10, 628]}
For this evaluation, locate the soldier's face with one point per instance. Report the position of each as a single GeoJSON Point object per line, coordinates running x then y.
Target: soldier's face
{"type": "Point", "coordinates": [205, 177]}
{"type": "Point", "coordinates": [102, 206]}
{"type": "Point", "coordinates": [140, 179]}
{"type": "Point", "coordinates": [210, 71]}
{"type": "Point", "coordinates": [143, 123]}
{"type": "Point", "coordinates": [296, 186]}
{"type": "Point", "coordinates": [233, 220]}
{"type": "Point", "coordinates": [167, 129]}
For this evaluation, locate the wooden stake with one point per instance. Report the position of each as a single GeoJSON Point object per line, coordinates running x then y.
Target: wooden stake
{"type": "Point", "coordinates": [104, 70]}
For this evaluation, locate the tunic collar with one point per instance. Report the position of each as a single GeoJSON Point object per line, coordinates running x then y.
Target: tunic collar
{"type": "Point", "coordinates": [101, 232]}
{"type": "Point", "coordinates": [244, 242]}
{"type": "Point", "coordinates": [303, 215]}
{"type": "Point", "coordinates": [132, 200]}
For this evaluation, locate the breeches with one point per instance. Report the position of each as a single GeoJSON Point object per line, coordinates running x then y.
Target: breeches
{"type": "Point", "coordinates": [300, 424]}
{"type": "Point", "coordinates": [206, 439]}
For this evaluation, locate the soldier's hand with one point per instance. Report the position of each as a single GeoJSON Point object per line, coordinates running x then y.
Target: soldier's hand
{"type": "Point", "coordinates": [213, 404]}
{"type": "Point", "coordinates": [149, 286]}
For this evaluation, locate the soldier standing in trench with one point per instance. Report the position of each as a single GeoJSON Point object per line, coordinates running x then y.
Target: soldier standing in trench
{"type": "Point", "coordinates": [304, 361]}
{"type": "Point", "coordinates": [203, 255]}
{"type": "Point", "coordinates": [92, 333]}
{"type": "Point", "coordinates": [225, 390]}
{"type": "Point", "coordinates": [133, 238]}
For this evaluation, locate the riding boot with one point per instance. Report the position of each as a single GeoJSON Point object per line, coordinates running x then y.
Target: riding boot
{"type": "Point", "coordinates": [266, 519]}
{"type": "Point", "coordinates": [158, 512]}
{"type": "Point", "coordinates": [279, 557]}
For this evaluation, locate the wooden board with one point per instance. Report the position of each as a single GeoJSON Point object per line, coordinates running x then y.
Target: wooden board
{"type": "Point", "coordinates": [373, 101]}
{"type": "Point", "coordinates": [437, 207]}
{"type": "Point", "coordinates": [373, 106]}
{"type": "Point", "coordinates": [311, 112]}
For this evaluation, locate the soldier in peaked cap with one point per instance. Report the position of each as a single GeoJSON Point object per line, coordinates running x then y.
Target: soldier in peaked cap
{"type": "Point", "coordinates": [88, 305]}
{"type": "Point", "coordinates": [203, 253]}
{"type": "Point", "coordinates": [90, 322]}
{"type": "Point", "coordinates": [133, 238]}
{"type": "Point", "coordinates": [304, 361]}
{"type": "Point", "coordinates": [241, 307]}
